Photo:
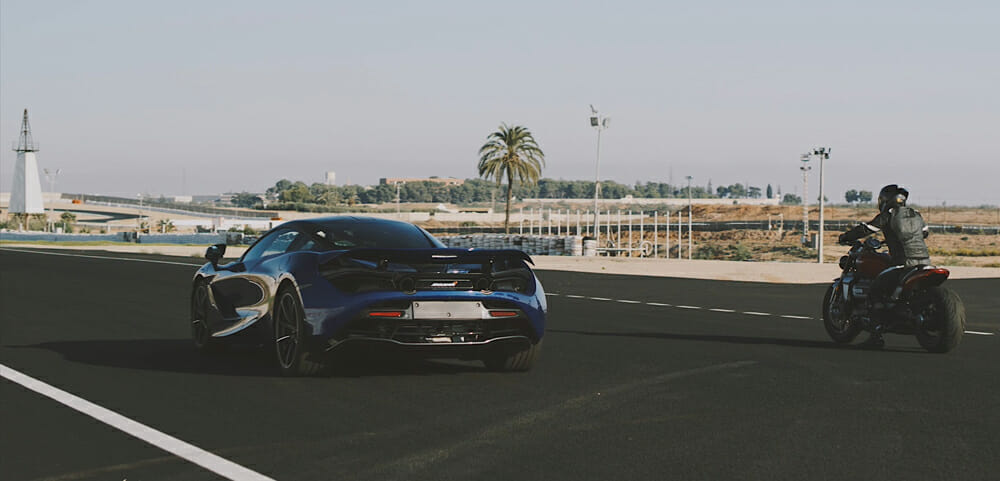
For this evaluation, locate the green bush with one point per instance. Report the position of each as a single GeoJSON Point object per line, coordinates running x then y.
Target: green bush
{"type": "Point", "coordinates": [742, 253]}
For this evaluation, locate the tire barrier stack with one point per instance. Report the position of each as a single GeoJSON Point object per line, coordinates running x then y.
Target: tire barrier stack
{"type": "Point", "coordinates": [545, 245]}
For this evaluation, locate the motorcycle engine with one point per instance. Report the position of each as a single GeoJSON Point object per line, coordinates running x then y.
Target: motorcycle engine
{"type": "Point", "coordinates": [859, 290]}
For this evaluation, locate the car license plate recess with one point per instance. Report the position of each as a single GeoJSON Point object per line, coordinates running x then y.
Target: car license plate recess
{"type": "Point", "coordinates": [447, 310]}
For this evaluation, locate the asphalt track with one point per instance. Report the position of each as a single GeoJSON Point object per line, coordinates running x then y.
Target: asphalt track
{"type": "Point", "coordinates": [630, 386]}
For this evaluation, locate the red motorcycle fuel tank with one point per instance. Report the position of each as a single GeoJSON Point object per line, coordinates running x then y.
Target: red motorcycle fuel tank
{"type": "Point", "coordinates": [870, 264]}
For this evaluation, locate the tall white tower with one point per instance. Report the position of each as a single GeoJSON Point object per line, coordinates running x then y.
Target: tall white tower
{"type": "Point", "coordinates": [26, 194]}
{"type": "Point", "coordinates": [331, 178]}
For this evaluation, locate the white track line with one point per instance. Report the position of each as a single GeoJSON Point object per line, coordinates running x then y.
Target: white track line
{"type": "Point", "coordinates": [216, 464]}
{"type": "Point", "coordinates": [715, 309]}
{"type": "Point", "coordinates": [151, 261]}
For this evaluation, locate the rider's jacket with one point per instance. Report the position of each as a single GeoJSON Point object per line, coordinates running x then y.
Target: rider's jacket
{"type": "Point", "coordinates": [904, 231]}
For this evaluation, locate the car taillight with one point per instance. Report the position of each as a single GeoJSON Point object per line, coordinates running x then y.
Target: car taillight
{"type": "Point", "coordinates": [503, 313]}
{"type": "Point", "coordinates": [385, 314]}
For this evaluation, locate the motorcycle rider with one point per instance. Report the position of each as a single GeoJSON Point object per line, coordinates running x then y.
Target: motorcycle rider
{"type": "Point", "coordinates": [904, 231]}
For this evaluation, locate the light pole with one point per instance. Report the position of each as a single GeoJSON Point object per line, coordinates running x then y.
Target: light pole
{"type": "Point", "coordinates": [690, 234]}
{"type": "Point", "coordinates": [51, 176]}
{"type": "Point", "coordinates": [805, 168]}
{"type": "Point", "coordinates": [140, 212]}
{"type": "Point", "coordinates": [823, 153]}
{"type": "Point", "coordinates": [598, 123]}
{"type": "Point", "coordinates": [397, 200]}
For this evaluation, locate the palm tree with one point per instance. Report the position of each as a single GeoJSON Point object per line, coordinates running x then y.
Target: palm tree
{"type": "Point", "coordinates": [166, 225]}
{"type": "Point", "coordinates": [511, 153]}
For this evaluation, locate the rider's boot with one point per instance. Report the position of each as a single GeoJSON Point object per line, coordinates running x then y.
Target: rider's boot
{"type": "Point", "coordinates": [875, 341]}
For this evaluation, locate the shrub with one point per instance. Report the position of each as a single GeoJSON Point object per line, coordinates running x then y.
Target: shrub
{"type": "Point", "coordinates": [708, 252]}
{"type": "Point", "coordinates": [742, 253]}
{"type": "Point", "coordinates": [966, 252]}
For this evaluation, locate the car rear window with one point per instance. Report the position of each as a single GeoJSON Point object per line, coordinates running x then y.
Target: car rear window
{"type": "Point", "coordinates": [379, 235]}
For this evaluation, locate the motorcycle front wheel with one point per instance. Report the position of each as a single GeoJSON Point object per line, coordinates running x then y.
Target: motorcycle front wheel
{"type": "Point", "coordinates": [940, 319]}
{"type": "Point", "coordinates": [836, 320]}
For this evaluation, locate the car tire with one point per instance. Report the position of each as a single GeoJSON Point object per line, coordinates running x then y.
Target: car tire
{"type": "Point", "coordinates": [293, 356]}
{"type": "Point", "coordinates": [201, 303]}
{"type": "Point", "coordinates": [505, 359]}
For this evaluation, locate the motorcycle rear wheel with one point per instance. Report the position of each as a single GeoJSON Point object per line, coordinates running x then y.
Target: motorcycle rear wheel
{"type": "Point", "coordinates": [842, 330]}
{"type": "Point", "coordinates": [943, 322]}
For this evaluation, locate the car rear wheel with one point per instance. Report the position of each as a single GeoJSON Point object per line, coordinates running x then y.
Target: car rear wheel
{"type": "Point", "coordinates": [505, 358]}
{"type": "Point", "coordinates": [294, 359]}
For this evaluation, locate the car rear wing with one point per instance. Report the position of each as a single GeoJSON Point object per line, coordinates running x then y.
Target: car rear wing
{"type": "Point", "coordinates": [463, 256]}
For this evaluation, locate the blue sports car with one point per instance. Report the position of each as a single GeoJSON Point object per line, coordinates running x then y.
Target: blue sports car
{"type": "Point", "coordinates": [308, 287]}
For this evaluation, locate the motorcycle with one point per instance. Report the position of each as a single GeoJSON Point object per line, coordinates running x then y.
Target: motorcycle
{"type": "Point", "coordinates": [873, 295]}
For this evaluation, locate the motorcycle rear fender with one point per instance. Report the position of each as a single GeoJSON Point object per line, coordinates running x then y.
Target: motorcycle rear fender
{"type": "Point", "coordinates": [925, 278]}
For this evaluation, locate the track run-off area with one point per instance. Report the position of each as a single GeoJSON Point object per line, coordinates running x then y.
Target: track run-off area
{"type": "Point", "coordinates": [639, 378]}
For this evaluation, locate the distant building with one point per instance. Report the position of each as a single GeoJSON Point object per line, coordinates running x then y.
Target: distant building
{"type": "Point", "coordinates": [331, 178]}
{"type": "Point", "coordinates": [404, 180]}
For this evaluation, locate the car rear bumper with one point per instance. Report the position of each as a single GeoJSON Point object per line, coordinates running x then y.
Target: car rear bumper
{"type": "Point", "coordinates": [352, 318]}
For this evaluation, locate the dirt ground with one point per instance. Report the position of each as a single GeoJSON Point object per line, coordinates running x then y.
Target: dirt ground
{"type": "Point", "coordinates": [785, 246]}
{"type": "Point", "coordinates": [959, 249]}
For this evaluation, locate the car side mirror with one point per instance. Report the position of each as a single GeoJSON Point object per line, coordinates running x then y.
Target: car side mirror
{"type": "Point", "coordinates": [214, 254]}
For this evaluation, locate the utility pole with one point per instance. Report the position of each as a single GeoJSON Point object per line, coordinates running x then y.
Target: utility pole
{"type": "Point", "coordinates": [805, 168]}
{"type": "Point", "coordinates": [398, 216]}
{"type": "Point", "coordinates": [690, 233]}
{"type": "Point", "coordinates": [599, 123]}
{"type": "Point", "coordinates": [823, 153]}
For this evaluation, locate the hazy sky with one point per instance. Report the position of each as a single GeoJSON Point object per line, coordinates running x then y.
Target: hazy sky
{"type": "Point", "coordinates": [207, 96]}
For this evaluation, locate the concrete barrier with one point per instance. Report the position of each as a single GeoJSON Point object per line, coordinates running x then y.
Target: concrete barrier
{"type": "Point", "coordinates": [196, 239]}
{"type": "Point", "coordinates": [53, 237]}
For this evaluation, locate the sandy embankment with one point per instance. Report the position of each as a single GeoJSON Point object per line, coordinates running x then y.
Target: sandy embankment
{"type": "Point", "coordinates": [777, 272]}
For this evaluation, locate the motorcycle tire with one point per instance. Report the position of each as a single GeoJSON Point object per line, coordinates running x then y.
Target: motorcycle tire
{"type": "Point", "coordinates": [847, 330]}
{"type": "Point", "coordinates": [944, 320]}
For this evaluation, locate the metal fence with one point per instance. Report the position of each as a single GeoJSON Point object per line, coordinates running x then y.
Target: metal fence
{"type": "Point", "coordinates": [624, 233]}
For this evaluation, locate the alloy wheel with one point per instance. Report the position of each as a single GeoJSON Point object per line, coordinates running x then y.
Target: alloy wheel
{"type": "Point", "coordinates": [286, 329]}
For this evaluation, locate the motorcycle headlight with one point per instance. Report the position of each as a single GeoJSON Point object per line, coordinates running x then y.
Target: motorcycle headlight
{"type": "Point", "coordinates": [844, 261]}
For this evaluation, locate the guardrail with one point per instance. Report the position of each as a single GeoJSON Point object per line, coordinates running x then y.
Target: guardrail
{"type": "Point", "coordinates": [172, 207]}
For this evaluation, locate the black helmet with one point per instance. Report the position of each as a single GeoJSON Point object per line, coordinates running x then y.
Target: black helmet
{"type": "Point", "coordinates": [891, 196]}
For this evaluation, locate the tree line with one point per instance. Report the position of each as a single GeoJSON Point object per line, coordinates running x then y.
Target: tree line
{"type": "Point", "coordinates": [479, 191]}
